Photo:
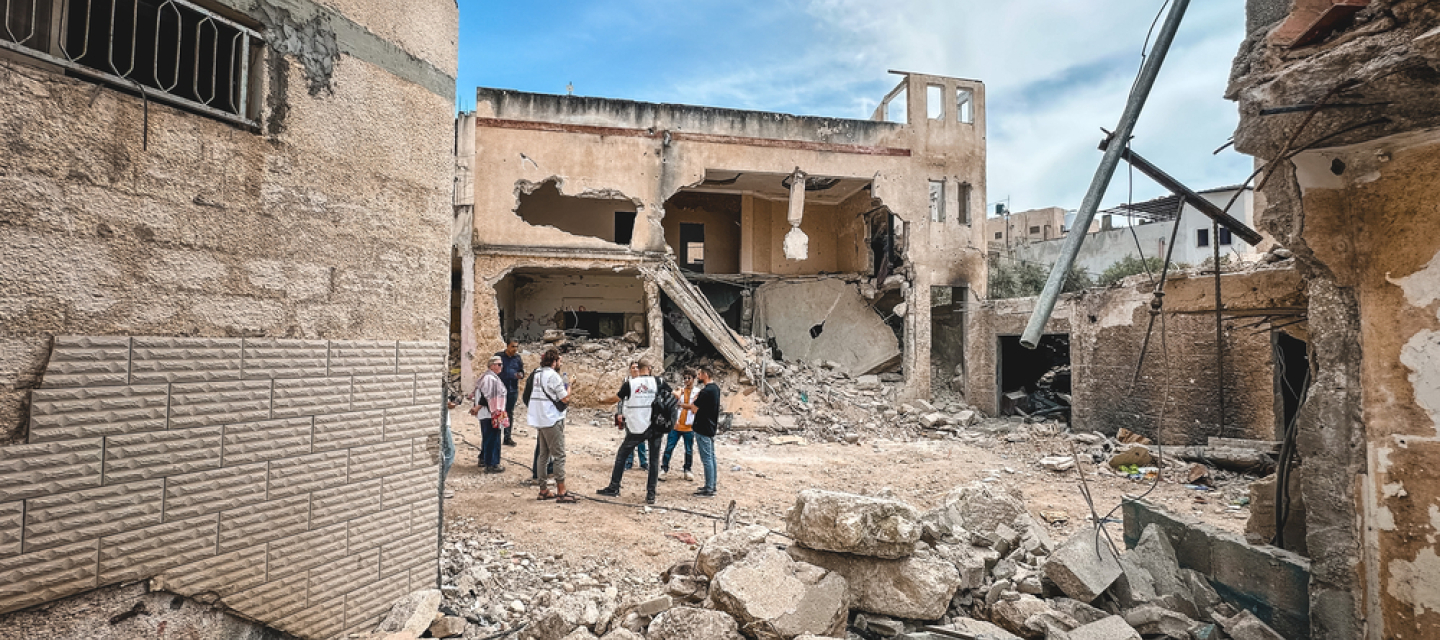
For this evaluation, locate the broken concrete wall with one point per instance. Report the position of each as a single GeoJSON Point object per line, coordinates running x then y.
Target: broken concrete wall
{"type": "Point", "coordinates": [1358, 209]}
{"type": "Point", "coordinates": [836, 233]}
{"type": "Point", "coordinates": [172, 237]}
{"type": "Point", "coordinates": [648, 152]}
{"type": "Point", "coordinates": [540, 299]}
{"type": "Point", "coordinates": [720, 215]}
{"type": "Point", "coordinates": [825, 320]}
{"type": "Point", "coordinates": [1107, 328]}
{"type": "Point", "coordinates": [591, 214]}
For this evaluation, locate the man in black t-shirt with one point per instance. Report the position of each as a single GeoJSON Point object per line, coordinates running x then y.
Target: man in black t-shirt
{"type": "Point", "coordinates": [707, 420]}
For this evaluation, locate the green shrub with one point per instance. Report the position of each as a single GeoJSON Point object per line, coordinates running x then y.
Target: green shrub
{"type": "Point", "coordinates": [1130, 266]}
{"type": "Point", "coordinates": [1010, 278]}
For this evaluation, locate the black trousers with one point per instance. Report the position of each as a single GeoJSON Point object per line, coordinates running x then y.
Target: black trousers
{"type": "Point", "coordinates": [627, 448]}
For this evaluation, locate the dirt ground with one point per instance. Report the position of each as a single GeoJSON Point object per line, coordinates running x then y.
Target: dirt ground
{"type": "Point", "coordinates": [763, 479]}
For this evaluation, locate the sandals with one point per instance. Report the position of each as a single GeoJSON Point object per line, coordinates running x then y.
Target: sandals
{"type": "Point", "coordinates": [546, 495]}
{"type": "Point", "coordinates": [565, 498]}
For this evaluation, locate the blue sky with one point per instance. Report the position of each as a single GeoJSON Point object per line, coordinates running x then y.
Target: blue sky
{"type": "Point", "coordinates": [1055, 71]}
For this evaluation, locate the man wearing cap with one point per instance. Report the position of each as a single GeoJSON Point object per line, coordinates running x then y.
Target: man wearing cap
{"type": "Point", "coordinates": [490, 399]}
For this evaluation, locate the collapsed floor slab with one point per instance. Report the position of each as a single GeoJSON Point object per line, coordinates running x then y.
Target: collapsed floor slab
{"type": "Point", "coordinates": [825, 321]}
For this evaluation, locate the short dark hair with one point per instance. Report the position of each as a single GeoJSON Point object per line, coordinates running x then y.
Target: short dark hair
{"type": "Point", "coordinates": [709, 373]}
{"type": "Point", "coordinates": [643, 364]}
{"type": "Point", "coordinates": [549, 358]}
{"type": "Point", "coordinates": [511, 341]}
{"type": "Point", "coordinates": [688, 373]}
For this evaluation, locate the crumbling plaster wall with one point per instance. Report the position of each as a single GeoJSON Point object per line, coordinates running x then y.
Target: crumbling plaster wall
{"type": "Point", "coordinates": [1107, 328]}
{"type": "Point", "coordinates": [542, 297]}
{"type": "Point", "coordinates": [1359, 210]}
{"type": "Point", "coordinates": [328, 225]}
{"type": "Point", "coordinates": [648, 152]}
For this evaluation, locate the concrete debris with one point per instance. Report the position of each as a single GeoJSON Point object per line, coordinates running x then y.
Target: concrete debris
{"type": "Point", "coordinates": [848, 523]}
{"type": "Point", "coordinates": [448, 627]}
{"type": "Point", "coordinates": [1135, 456]}
{"type": "Point", "coordinates": [1012, 614]}
{"type": "Point", "coordinates": [978, 508]}
{"type": "Point", "coordinates": [825, 320]}
{"type": "Point", "coordinates": [580, 633]}
{"type": "Point", "coordinates": [1154, 620]}
{"type": "Point", "coordinates": [1058, 463]}
{"type": "Point", "coordinates": [727, 547]}
{"type": "Point", "coordinates": [880, 626]}
{"type": "Point", "coordinates": [685, 623]}
{"type": "Point", "coordinates": [1110, 628]}
{"type": "Point", "coordinates": [776, 598]}
{"type": "Point", "coordinates": [654, 606]}
{"type": "Point", "coordinates": [1083, 567]}
{"type": "Point", "coordinates": [412, 614]}
{"type": "Point", "coordinates": [1245, 626]}
{"type": "Point", "coordinates": [977, 629]}
{"type": "Point", "coordinates": [916, 588]}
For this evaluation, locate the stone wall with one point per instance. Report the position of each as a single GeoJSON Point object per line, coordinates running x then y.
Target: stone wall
{"type": "Point", "coordinates": [292, 481]}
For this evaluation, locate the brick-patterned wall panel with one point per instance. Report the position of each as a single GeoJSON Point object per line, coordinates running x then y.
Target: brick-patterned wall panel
{"type": "Point", "coordinates": [295, 481]}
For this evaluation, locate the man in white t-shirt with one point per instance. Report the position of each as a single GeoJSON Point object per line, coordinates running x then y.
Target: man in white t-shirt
{"type": "Point", "coordinates": [542, 412]}
{"type": "Point", "coordinates": [637, 394]}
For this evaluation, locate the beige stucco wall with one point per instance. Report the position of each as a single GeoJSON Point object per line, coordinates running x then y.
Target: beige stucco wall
{"type": "Point", "coordinates": [221, 268]}
{"type": "Point", "coordinates": [648, 152]}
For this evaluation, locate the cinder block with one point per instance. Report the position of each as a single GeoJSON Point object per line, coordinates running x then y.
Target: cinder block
{"type": "Point", "coordinates": [224, 575]}
{"type": "Point", "coordinates": [29, 470]}
{"type": "Point", "coordinates": [61, 519]}
{"type": "Point", "coordinates": [343, 503]}
{"type": "Point", "coordinates": [384, 392]}
{"type": "Point", "coordinates": [354, 429]}
{"type": "Point", "coordinates": [142, 553]}
{"type": "Point", "coordinates": [366, 604]}
{"type": "Point", "coordinates": [271, 358]}
{"type": "Point", "coordinates": [157, 454]}
{"type": "Point", "coordinates": [418, 357]}
{"type": "Point", "coordinates": [88, 361]}
{"type": "Point", "coordinates": [173, 359]}
{"type": "Point", "coordinates": [333, 580]}
{"type": "Point", "coordinates": [293, 476]}
{"type": "Point", "coordinates": [12, 520]}
{"type": "Point", "coordinates": [409, 487]}
{"type": "Point", "coordinates": [311, 396]}
{"type": "Point", "coordinates": [303, 552]}
{"type": "Point", "coordinates": [204, 404]}
{"type": "Point", "coordinates": [271, 600]}
{"type": "Point", "coordinates": [323, 620]}
{"type": "Point", "coordinates": [264, 522]}
{"type": "Point", "coordinates": [92, 412]}
{"type": "Point", "coordinates": [42, 576]}
{"type": "Point", "coordinates": [369, 532]}
{"type": "Point", "coordinates": [362, 357]}
{"type": "Point", "coordinates": [412, 422]}
{"type": "Point", "coordinates": [373, 461]}
{"type": "Point", "coordinates": [400, 555]}
{"type": "Point", "coordinates": [250, 442]}
{"type": "Point", "coordinates": [195, 494]}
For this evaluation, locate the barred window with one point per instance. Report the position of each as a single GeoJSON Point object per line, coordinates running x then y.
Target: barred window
{"type": "Point", "coordinates": [170, 50]}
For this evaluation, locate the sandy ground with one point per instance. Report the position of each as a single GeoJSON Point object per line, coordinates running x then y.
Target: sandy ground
{"type": "Point", "coordinates": [762, 479]}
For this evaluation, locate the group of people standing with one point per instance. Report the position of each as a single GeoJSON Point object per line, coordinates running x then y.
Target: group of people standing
{"type": "Point", "coordinates": [498, 389]}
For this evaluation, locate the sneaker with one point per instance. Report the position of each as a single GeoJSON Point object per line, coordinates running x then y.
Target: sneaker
{"type": "Point", "coordinates": [644, 467]}
{"type": "Point", "coordinates": [664, 475]}
{"type": "Point", "coordinates": [613, 492]}
{"type": "Point", "coordinates": [449, 494]}
{"type": "Point", "coordinates": [689, 477]}
{"type": "Point", "coordinates": [495, 469]}
{"type": "Point", "coordinates": [705, 493]}
{"type": "Point", "coordinates": [650, 498]}
{"type": "Point", "coordinates": [509, 442]}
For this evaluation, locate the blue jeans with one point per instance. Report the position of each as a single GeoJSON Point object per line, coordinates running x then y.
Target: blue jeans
{"type": "Point", "coordinates": [489, 444]}
{"type": "Point", "coordinates": [706, 445]}
{"type": "Point", "coordinates": [671, 441]}
{"type": "Point", "coordinates": [641, 455]}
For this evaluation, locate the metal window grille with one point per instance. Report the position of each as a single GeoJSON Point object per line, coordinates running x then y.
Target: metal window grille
{"type": "Point", "coordinates": [168, 50]}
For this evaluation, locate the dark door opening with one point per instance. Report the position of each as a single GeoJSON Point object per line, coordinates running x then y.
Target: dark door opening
{"type": "Point", "coordinates": [947, 339]}
{"type": "Point", "coordinates": [1034, 382]}
{"type": "Point", "coordinates": [624, 227]}
{"type": "Point", "coordinates": [595, 323]}
{"type": "Point", "coordinates": [692, 247]}
{"type": "Point", "coordinates": [1292, 377]}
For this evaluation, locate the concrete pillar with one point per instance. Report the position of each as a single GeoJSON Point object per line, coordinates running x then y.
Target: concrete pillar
{"type": "Point", "coordinates": [916, 348]}
{"type": "Point", "coordinates": [747, 233]}
{"type": "Point", "coordinates": [796, 245]}
{"type": "Point", "coordinates": [654, 325]}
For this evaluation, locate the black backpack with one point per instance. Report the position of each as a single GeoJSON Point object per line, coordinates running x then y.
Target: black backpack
{"type": "Point", "coordinates": [664, 410]}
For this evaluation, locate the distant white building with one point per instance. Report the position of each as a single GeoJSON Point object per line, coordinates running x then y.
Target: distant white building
{"type": "Point", "coordinates": [1152, 224]}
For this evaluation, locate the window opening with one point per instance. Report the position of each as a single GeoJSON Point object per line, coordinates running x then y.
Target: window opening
{"type": "Point", "coordinates": [624, 226]}
{"type": "Point", "coordinates": [1224, 237]}
{"type": "Point", "coordinates": [934, 102]}
{"type": "Point", "coordinates": [964, 105]}
{"type": "Point", "coordinates": [1202, 237]}
{"type": "Point", "coordinates": [964, 201]}
{"type": "Point", "coordinates": [1034, 230]}
{"type": "Point", "coordinates": [692, 244]}
{"type": "Point", "coordinates": [169, 50]}
{"type": "Point", "coordinates": [999, 235]}
{"type": "Point", "coordinates": [937, 201]}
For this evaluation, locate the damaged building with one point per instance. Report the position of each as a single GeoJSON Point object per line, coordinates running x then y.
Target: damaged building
{"type": "Point", "coordinates": [748, 235]}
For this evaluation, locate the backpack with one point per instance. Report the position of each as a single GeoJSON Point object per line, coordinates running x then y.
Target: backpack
{"type": "Point", "coordinates": [664, 410]}
{"type": "Point", "coordinates": [530, 385]}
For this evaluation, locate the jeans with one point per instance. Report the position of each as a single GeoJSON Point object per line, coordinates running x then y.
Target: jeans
{"type": "Point", "coordinates": [671, 441]}
{"type": "Point", "coordinates": [447, 449]}
{"type": "Point", "coordinates": [489, 444]}
{"type": "Point", "coordinates": [511, 395]}
{"type": "Point", "coordinates": [706, 445]}
{"type": "Point", "coordinates": [628, 446]}
{"type": "Point", "coordinates": [552, 446]}
{"type": "Point", "coordinates": [641, 454]}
